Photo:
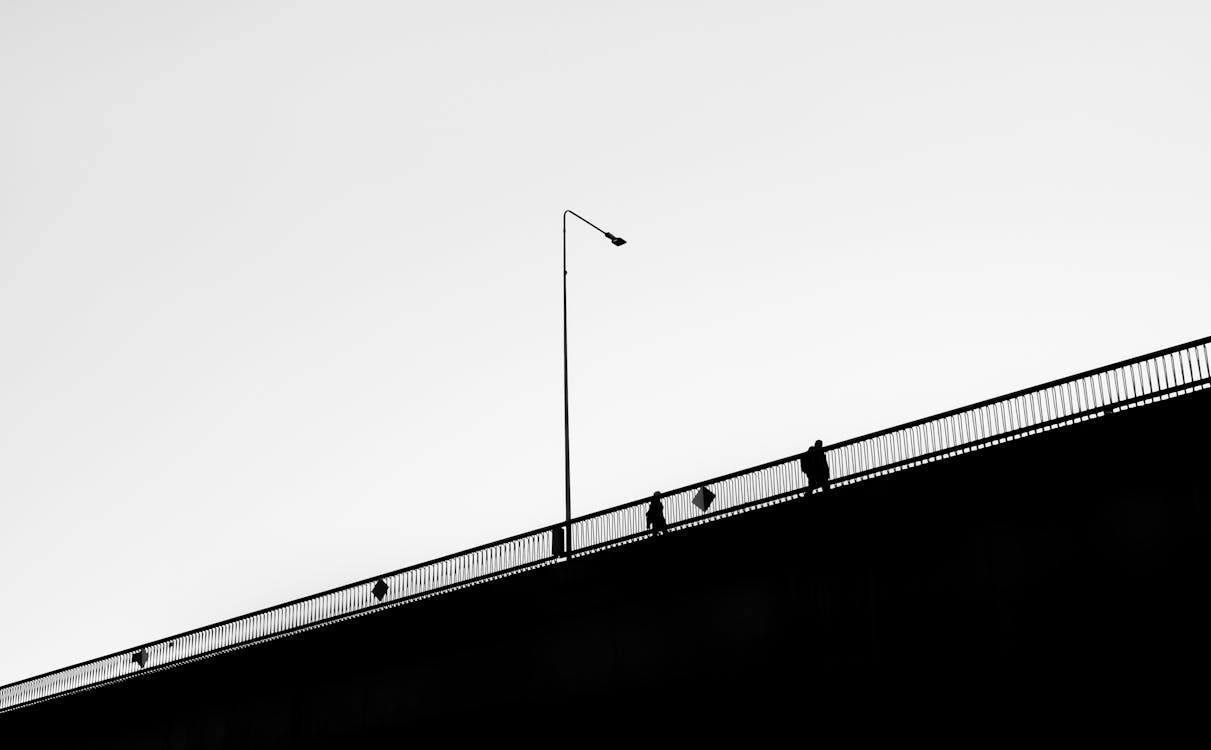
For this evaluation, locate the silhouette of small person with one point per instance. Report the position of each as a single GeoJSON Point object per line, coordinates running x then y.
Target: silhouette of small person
{"type": "Point", "coordinates": [815, 465]}
{"type": "Point", "coordinates": [655, 515]}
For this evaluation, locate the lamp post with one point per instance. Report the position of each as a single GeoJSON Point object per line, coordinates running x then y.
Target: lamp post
{"type": "Point", "coordinates": [567, 441]}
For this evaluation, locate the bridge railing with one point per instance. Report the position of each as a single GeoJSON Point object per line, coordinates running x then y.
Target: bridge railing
{"type": "Point", "coordinates": [409, 584]}
{"type": "Point", "coordinates": [1088, 395]}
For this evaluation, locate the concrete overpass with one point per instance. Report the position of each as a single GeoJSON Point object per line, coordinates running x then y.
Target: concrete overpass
{"type": "Point", "coordinates": [1048, 542]}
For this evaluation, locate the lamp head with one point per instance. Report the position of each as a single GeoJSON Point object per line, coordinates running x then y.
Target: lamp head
{"type": "Point", "coordinates": [618, 241]}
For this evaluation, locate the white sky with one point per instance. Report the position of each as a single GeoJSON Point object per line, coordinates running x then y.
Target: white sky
{"type": "Point", "coordinates": [279, 284]}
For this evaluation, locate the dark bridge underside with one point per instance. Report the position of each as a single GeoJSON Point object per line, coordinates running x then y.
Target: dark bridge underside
{"type": "Point", "coordinates": [1069, 563]}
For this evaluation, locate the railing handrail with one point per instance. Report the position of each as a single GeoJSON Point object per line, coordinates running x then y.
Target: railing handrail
{"type": "Point", "coordinates": [615, 509]}
{"type": "Point", "coordinates": [914, 423]}
{"type": "Point", "coordinates": [283, 605]}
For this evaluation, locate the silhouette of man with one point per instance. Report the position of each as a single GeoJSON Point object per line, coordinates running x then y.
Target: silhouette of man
{"type": "Point", "coordinates": [655, 514]}
{"type": "Point", "coordinates": [815, 465]}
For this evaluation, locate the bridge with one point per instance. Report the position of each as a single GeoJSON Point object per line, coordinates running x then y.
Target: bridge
{"type": "Point", "coordinates": [1054, 536]}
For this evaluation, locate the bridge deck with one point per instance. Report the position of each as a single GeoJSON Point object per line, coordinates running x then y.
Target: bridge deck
{"type": "Point", "coordinates": [1074, 551]}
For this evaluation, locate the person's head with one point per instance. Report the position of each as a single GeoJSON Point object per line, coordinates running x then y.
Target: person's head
{"type": "Point", "coordinates": [819, 443]}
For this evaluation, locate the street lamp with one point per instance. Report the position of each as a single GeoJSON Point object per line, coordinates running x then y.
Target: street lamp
{"type": "Point", "coordinates": [567, 441]}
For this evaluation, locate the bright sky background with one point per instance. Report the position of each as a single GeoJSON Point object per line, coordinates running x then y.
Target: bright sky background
{"type": "Point", "coordinates": [279, 281]}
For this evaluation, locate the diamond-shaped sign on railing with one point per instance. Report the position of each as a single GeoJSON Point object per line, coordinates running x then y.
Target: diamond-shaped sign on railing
{"type": "Point", "coordinates": [380, 589]}
{"type": "Point", "coordinates": [703, 498]}
{"type": "Point", "coordinates": [140, 657]}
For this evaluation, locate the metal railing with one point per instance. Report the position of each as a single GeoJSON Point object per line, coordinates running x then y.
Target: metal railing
{"type": "Point", "coordinates": [1089, 395]}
